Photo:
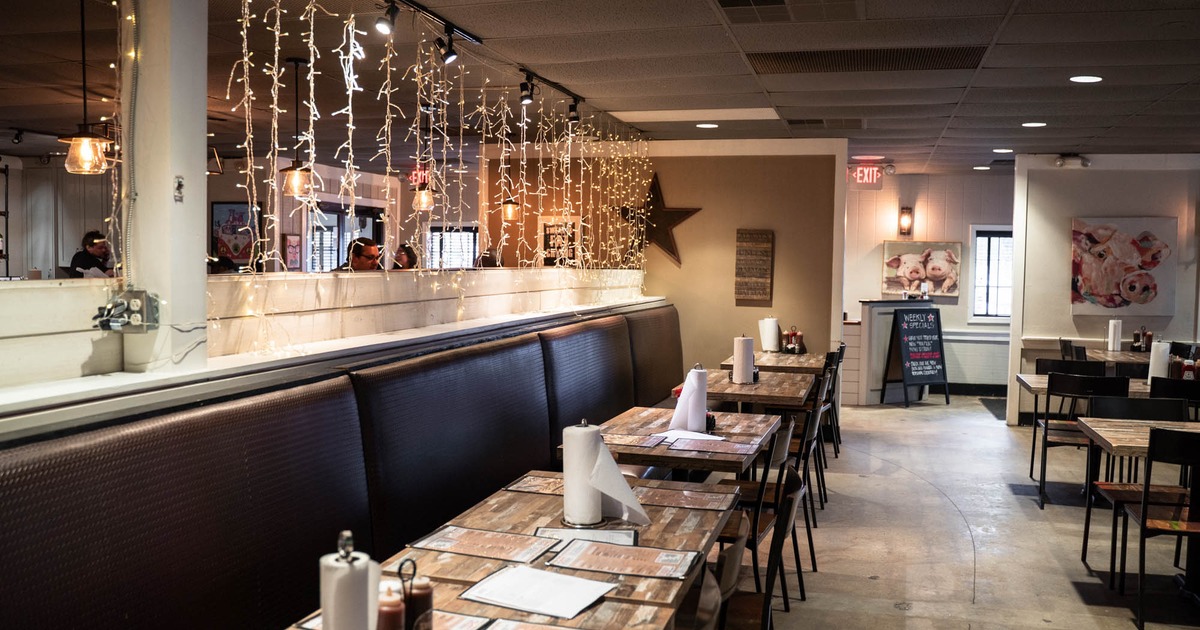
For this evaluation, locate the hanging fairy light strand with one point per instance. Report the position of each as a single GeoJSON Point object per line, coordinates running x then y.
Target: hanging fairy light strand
{"type": "Point", "coordinates": [348, 53]}
{"type": "Point", "coordinates": [241, 73]}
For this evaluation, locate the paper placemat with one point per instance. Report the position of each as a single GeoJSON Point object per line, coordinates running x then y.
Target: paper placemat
{"type": "Point", "coordinates": [486, 544]}
{"type": "Point", "coordinates": [567, 534]}
{"type": "Point", "coordinates": [443, 620]}
{"type": "Point", "coordinates": [712, 446]}
{"type": "Point", "coordinates": [536, 591]}
{"type": "Point", "coordinates": [685, 498]}
{"type": "Point", "coordinates": [537, 485]}
{"type": "Point", "coordinates": [587, 555]}
{"type": "Point", "coordinates": [647, 441]}
{"type": "Point", "coordinates": [509, 624]}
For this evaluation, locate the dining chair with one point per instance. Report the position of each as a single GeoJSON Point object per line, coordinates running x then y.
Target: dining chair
{"type": "Point", "coordinates": [1178, 388]}
{"type": "Point", "coordinates": [1183, 350]}
{"type": "Point", "coordinates": [1154, 519]}
{"type": "Point", "coordinates": [746, 610]}
{"type": "Point", "coordinates": [756, 497]}
{"type": "Point", "coordinates": [1065, 432]}
{"type": "Point", "coordinates": [1131, 369]}
{"type": "Point", "coordinates": [729, 564]}
{"type": "Point", "coordinates": [1119, 493]}
{"type": "Point", "coordinates": [701, 607]}
{"type": "Point", "coordinates": [835, 425]}
{"type": "Point", "coordinates": [1065, 366]}
{"type": "Point", "coordinates": [1066, 349]}
{"type": "Point", "coordinates": [1079, 353]}
{"type": "Point", "coordinates": [807, 448]}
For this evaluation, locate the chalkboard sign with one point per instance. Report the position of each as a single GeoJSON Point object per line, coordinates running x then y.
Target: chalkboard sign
{"type": "Point", "coordinates": [915, 352]}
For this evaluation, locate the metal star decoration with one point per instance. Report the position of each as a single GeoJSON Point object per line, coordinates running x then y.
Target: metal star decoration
{"type": "Point", "coordinates": [661, 220]}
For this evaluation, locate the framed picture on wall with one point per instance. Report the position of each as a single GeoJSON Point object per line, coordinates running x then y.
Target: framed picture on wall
{"type": "Point", "coordinates": [1123, 265]}
{"type": "Point", "coordinates": [907, 264]}
{"type": "Point", "coordinates": [559, 240]}
{"type": "Point", "coordinates": [234, 229]}
{"type": "Point", "coordinates": [291, 251]}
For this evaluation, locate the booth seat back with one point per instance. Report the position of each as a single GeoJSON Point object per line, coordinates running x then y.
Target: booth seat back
{"type": "Point", "coordinates": [657, 354]}
{"type": "Point", "coordinates": [589, 372]}
{"type": "Point", "coordinates": [214, 517]}
{"type": "Point", "coordinates": [443, 431]}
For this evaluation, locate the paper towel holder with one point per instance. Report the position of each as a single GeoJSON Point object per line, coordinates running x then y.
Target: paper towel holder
{"type": "Point", "coordinates": [345, 546]}
{"type": "Point", "coordinates": [698, 366]}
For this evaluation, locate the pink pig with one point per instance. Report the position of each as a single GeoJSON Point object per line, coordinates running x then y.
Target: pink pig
{"type": "Point", "coordinates": [1110, 268]}
{"type": "Point", "coordinates": [910, 269]}
{"type": "Point", "coordinates": [942, 268]}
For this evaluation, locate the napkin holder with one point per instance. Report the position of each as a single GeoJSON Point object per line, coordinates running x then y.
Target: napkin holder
{"type": "Point", "coordinates": [755, 380]}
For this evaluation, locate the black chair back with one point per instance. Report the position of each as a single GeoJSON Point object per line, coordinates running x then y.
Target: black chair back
{"type": "Point", "coordinates": [1173, 447]}
{"type": "Point", "coordinates": [1177, 388]}
{"type": "Point", "coordinates": [1066, 349]}
{"type": "Point", "coordinates": [1080, 353]}
{"type": "Point", "coordinates": [1084, 368]}
{"type": "Point", "coordinates": [1169, 409]}
{"type": "Point", "coordinates": [784, 523]}
{"type": "Point", "coordinates": [1083, 386]}
{"type": "Point", "coordinates": [1183, 350]}
{"type": "Point", "coordinates": [1132, 370]}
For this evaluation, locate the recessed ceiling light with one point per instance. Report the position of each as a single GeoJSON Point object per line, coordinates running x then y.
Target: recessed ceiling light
{"type": "Point", "coordinates": [1086, 78]}
{"type": "Point", "coordinates": [707, 125]}
{"type": "Point", "coordinates": [1002, 150]}
{"type": "Point", "coordinates": [868, 158]}
{"type": "Point", "coordinates": [1033, 124]}
{"type": "Point", "coordinates": [982, 168]}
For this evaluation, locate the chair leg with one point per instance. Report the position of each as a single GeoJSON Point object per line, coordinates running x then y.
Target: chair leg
{"type": "Point", "coordinates": [1033, 446]}
{"type": "Point", "coordinates": [753, 547]}
{"type": "Point", "coordinates": [787, 606]}
{"type": "Point", "coordinates": [1178, 547]}
{"type": "Point", "coordinates": [1042, 480]}
{"type": "Point", "coordinates": [796, 549]}
{"type": "Point", "coordinates": [812, 550]}
{"type": "Point", "coordinates": [1112, 550]}
{"type": "Point", "coordinates": [1141, 619]}
{"type": "Point", "coordinates": [1124, 548]}
{"type": "Point", "coordinates": [1087, 522]}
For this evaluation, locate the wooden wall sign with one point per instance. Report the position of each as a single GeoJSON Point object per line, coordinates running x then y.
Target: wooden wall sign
{"type": "Point", "coordinates": [755, 263]}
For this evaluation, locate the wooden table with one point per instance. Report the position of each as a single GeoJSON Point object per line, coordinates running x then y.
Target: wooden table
{"type": "Point", "coordinates": [523, 512]}
{"type": "Point", "coordinates": [774, 389]}
{"type": "Point", "coordinates": [1036, 385]}
{"type": "Point", "coordinates": [742, 428]}
{"type": "Point", "coordinates": [1119, 356]}
{"type": "Point", "coordinates": [1131, 438]}
{"type": "Point", "coordinates": [808, 363]}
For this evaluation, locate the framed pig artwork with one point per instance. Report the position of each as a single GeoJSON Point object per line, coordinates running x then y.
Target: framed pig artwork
{"type": "Point", "coordinates": [1123, 266]}
{"type": "Point", "coordinates": [907, 264]}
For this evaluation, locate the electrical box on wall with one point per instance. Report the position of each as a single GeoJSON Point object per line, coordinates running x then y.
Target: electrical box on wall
{"type": "Point", "coordinates": [130, 312]}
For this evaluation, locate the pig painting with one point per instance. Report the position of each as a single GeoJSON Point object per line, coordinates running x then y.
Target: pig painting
{"type": "Point", "coordinates": [1117, 263]}
{"type": "Point", "coordinates": [909, 264]}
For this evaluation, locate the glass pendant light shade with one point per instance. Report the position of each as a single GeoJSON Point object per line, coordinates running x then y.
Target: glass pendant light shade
{"type": "Point", "coordinates": [510, 208]}
{"type": "Point", "coordinates": [423, 200]}
{"type": "Point", "coordinates": [86, 154]}
{"type": "Point", "coordinates": [297, 181]}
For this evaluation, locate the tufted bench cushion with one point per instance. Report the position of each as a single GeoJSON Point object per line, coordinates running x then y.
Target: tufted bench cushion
{"type": "Point", "coordinates": [443, 431]}
{"type": "Point", "coordinates": [657, 354]}
{"type": "Point", "coordinates": [209, 518]}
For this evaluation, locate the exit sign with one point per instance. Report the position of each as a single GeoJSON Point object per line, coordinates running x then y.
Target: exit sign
{"type": "Point", "coordinates": [865, 176]}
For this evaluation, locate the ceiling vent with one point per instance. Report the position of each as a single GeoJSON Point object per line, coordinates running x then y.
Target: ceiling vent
{"type": "Point", "coordinates": [755, 11]}
{"type": "Point", "coordinates": [826, 123]}
{"type": "Point", "coordinates": [868, 60]}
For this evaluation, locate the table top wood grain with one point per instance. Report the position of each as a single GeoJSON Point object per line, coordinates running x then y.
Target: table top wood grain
{"type": "Point", "coordinates": [1119, 356]}
{"type": "Point", "coordinates": [776, 389]}
{"type": "Point", "coordinates": [1036, 384]}
{"type": "Point", "coordinates": [1128, 438]}
{"type": "Point", "coordinates": [743, 428]}
{"type": "Point", "coordinates": [523, 512]}
{"type": "Point", "coordinates": [808, 363]}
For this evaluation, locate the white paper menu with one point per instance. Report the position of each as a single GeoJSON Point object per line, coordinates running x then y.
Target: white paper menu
{"type": "Point", "coordinates": [536, 591]}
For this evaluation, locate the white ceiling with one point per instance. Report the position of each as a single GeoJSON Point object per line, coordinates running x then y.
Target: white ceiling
{"type": "Point", "coordinates": [934, 85]}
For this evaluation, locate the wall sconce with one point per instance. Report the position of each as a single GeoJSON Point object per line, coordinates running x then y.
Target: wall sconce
{"type": "Point", "coordinates": [510, 208]}
{"type": "Point", "coordinates": [906, 221]}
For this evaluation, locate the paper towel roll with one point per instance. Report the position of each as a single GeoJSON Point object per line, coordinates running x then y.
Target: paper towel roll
{"type": "Point", "coordinates": [349, 592]}
{"type": "Point", "coordinates": [768, 332]}
{"type": "Point", "coordinates": [1160, 359]}
{"type": "Point", "coordinates": [1114, 335]}
{"type": "Point", "coordinates": [581, 500]}
{"type": "Point", "coordinates": [743, 359]}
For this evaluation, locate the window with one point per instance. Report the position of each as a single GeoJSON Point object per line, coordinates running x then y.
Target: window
{"type": "Point", "coordinates": [993, 271]}
{"type": "Point", "coordinates": [452, 247]}
{"type": "Point", "coordinates": [332, 232]}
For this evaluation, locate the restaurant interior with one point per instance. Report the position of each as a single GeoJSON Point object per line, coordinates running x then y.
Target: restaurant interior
{"type": "Point", "coordinates": [542, 313]}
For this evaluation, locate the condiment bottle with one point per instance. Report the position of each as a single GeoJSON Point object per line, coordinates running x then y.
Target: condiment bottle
{"type": "Point", "coordinates": [391, 607]}
{"type": "Point", "coordinates": [1189, 370]}
{"type": "Point", "coordinates": [800, 347]}
{"type": "Point", "coordinates": [1147, 340]}
{"type": "Point", "coordinates": [419, 600]}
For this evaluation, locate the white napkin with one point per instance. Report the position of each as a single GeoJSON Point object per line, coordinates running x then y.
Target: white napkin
{"type": "Point", "coordinates": [689, 409]}
{"type": "Point", "coordinates": [592, 484]}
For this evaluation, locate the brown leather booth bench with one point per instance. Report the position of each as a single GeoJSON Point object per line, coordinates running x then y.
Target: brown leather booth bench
{"type": "Point", "coordinates": [214, 514]}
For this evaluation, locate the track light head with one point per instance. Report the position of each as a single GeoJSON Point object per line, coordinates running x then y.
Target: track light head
{"type": "Point", "coordinates": [527, 90]}
{"type": "Point", "coordinates": [387, 21]}
{"type": "Point", "coordinates": [18, 137]}
{"type": "Point", "coordinates": [573, 112]}
{"type": "Point", "coordinates": [446, 48]}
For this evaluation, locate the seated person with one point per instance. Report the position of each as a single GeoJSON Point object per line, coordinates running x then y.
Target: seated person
{"type": "Point", "coordinates": [361, 255]}
{"type": "Point", "coordinates": [94, 255]}
{"type": "Point", "coordinates": [489, 258]}
{"type": "Point", "coordinates": [406, 257]}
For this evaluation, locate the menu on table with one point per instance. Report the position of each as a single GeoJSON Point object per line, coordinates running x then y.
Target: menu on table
{"type": "Point", "coordinates": [509, 624]}
{"type": "Point", "coordinates": [537, 485]}
{"type": "Point", "coordinates": [443, 620]}
{"type": "Point", "coordinates": [587, 555]}
{"type": "Point", "coordinates": [566, 535]}
{"type": "Point", "coordinates": [648, 441]}
{"type": "Point", "coordinates": [691, 499]}
{"type": "Point", "coordinates": [712, 446]}
{"type": "Point", "coordinates": [486, 544]}
{"type": "Point", "coordinates": [536, 591]}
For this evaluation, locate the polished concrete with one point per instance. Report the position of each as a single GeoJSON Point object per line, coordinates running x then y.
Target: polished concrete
{"type": "Point", "coordinates": [933, 523]}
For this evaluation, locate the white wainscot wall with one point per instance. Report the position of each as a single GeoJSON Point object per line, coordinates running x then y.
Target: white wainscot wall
{"type": "Point", "coordinates": [977, 357]}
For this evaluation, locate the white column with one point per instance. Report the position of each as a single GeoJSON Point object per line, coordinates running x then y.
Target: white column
{"type": "Point", "coordinates": [168, 234]}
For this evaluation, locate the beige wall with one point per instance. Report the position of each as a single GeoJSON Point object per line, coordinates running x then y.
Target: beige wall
{"type": "Point", "coordinates": [792, 195]}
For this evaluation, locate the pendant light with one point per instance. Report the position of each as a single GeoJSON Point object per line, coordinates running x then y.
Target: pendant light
{"type": "Point", "coordinates": [297, 179]}
{"type": "Point", "coordinates": [86, 155]}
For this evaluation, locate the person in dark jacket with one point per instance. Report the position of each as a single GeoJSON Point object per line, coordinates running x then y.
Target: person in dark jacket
{"type": "Point", "coordinates": [94, 255]}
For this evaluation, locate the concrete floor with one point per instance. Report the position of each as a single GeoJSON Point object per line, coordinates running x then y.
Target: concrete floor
{"type": "Point", "coordinates": [933, 523]}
